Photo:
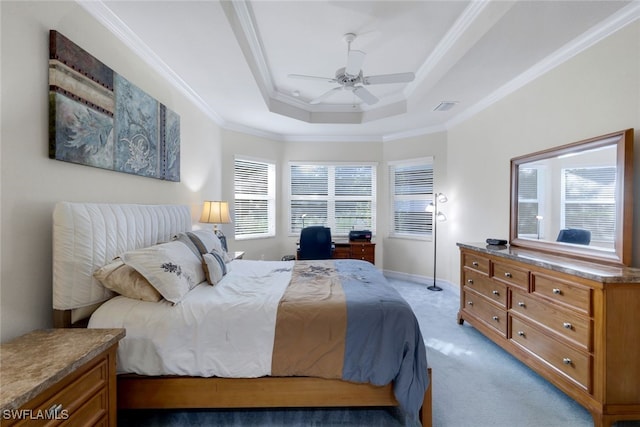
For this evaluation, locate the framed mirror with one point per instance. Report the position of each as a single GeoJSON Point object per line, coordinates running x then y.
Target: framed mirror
{"type": "Point", "coordinates": [576, 199]}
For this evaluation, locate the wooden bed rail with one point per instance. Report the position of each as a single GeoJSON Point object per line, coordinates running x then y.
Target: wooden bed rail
{"type": "Point", "coordinates": [142, 392]}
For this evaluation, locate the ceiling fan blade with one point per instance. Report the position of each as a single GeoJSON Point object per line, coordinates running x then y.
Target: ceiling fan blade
{"type": "Point", "coordinates": [303, 76]}
{"type": "Point", "coordinates": [365, 95]}
{"type": "Point", "coordinates": [388, 78]}
{"type": "Point", "coordinates": [354, 62]}
{"type": "Point", "coordinates": [325, 95]}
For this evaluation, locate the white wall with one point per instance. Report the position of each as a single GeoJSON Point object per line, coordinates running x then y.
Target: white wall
{"type": "Point", "coordinates": [31, 183]}
{"type": "Point", "coordinates": [413, 259]}
{"type": "Point", "coordinates": [594, 93]}
{"type": "Point", "coordinates": [250, 146]}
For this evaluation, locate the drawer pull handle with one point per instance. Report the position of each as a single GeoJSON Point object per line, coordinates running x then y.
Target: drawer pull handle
{"type": "Point", "coordinates": [470, 303]}
{"type": "Point", "coordinates": [567, 325]}
{"type": "Point", "coordinates": [521, 304]}
{"type": "Point", "coordinates": [520, 333]}
{"type": "Point", "coordinates": [567, 361]}
{"type": "Point", "coordinates": [495, 292]}
{"type": "Point", "coordinates": [556, 291]}
{"type": "Point", "coordinates": [507, 274]}
{"type": "Point", "coordinates": [55, 410]}
{"type": "Point", "coordinates": [470, 281]}
{"type": "Point", "coordinates": [496, 318]}
{"type": "Point", "coordinates": [474, 263]}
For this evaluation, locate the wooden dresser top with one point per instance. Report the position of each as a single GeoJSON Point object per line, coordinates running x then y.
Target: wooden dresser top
{"type": "Point", "coordinates": [33, 362]}
{"type": "Point", "coordinates": [602, 273]}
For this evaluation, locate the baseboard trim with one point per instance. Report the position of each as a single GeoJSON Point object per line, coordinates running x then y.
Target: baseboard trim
{"type": "Point", "coordinates": [416, 278]}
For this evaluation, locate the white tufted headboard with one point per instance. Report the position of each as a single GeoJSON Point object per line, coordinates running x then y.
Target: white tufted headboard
{"type": "Point", "coordinates": [87, 236]}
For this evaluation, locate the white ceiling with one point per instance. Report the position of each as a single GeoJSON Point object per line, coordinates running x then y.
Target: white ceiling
{"type": "Point", "coordinates": [233, 58]}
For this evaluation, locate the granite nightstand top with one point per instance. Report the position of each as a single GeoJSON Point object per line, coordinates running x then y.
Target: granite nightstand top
{"type": "Point", "coordinates": [34, 362]}
{"type": "Point", "coordinates": [602, 273]}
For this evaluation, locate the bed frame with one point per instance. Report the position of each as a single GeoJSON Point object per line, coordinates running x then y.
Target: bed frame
{"type": "Point", "coordinates": [176, 392]}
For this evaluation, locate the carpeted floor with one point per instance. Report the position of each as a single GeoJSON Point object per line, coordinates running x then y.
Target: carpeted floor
{"type": "Point", "coordinates": [475, 384]}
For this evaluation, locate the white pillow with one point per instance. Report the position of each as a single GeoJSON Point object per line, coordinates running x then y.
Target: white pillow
{"type": "Point", "coordinates": [215, 267]}
{"type": "Point", "coordinates": [172, 268]}
{"type": "Point", "coordinates": [206, 241]}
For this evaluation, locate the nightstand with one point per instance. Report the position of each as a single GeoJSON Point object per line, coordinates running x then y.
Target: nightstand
{"type": "Point", "coordinates": [60, 376]}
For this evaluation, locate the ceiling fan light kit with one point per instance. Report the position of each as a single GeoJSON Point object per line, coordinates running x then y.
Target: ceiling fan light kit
{"type": "Point", "coordinates": [351, 78]}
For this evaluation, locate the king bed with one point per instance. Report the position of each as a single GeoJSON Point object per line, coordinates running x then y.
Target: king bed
{"type": "Point", "coordinates": [211, 332]}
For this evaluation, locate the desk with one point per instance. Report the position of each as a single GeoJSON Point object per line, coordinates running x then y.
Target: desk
{"type": "Point", "coordinates": [355, 250]}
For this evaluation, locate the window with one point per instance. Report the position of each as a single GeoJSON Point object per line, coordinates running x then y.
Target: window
{"type": "Point", "coordinates": [411, 187]}
{"type": "Point", "coordinates": [588, 201]}
{"type": "Point", "coordinates": [530, 187]}
{"type": "Point", "coordinates": [255, 198]}
{"type": "Point", "coordinates": [340, 196]}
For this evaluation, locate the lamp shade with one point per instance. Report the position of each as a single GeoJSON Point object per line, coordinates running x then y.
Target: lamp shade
{"type": "Point", "coordinates": [215, 212]}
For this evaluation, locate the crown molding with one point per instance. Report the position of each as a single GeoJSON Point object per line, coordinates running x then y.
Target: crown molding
{"type": "Point", "coordinates": [604, 29]}
{"type": "Point", "coordinates": [115, 25]}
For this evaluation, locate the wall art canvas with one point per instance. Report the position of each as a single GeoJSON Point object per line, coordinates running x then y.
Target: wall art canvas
{"type": "Point", "coordinates": [98, 118]}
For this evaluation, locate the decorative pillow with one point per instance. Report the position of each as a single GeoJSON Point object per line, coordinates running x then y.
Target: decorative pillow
{"type": "Point", "coordinates": [214, 266]}
{"type": "Point", "coordinates": [182, 237]}
{"type": "Point", "coordinates": [206, 241]}
{"type": "Point", "coordinates": [126, 281]}
{"type": "Point", "coordinates": [172, 268]}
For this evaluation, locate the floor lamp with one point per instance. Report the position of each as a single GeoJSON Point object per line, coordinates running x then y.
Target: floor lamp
{"type": "Point", "coordinates": [437, 217]}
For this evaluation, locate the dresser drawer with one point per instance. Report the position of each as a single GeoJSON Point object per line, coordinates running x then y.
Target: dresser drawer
{"type": "Point", "coordinates": [512, 275]}
{"type": "Point", "coordinates": [567, 294]}
{"type": "Point", "coordinates": [571, 362]}
{"type": "Point", "coordinates": [475, 262]}
{"type": "Point", "coordinates": [482, 284]}
{"type": "Point", "coordinates": [485, 311]}
{"type": "Point", "coordinates": [569, 325]}
{"type": "Point", "coordinates": [76, 392]}
{"type": "Point", "coordinates": [93, 413]}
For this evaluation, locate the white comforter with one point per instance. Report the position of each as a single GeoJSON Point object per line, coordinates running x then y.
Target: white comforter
{"type": "Point", "coordinates": [225, 330]}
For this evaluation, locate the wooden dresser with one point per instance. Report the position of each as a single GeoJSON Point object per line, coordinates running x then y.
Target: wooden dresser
{"type": "Point", "coordinates": [576, 323]}
{"type": "Point", "coordinates": [356, 250]}
{"type": "Point", "coordinates": [59, 377]}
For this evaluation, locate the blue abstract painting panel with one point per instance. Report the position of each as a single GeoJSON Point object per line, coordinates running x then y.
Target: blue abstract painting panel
{"type": "Point", "coordinates": [82, 134]}
{"type": "Point", "coordinates": [172, 145]}
{"type": "Point", "coordinates": [137, 130]}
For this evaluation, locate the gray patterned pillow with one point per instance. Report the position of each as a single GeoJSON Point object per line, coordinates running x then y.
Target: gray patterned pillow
{"type": "Point", "coordinates": [206, 241]}
{"type": "Point", "coordinates": [214, 266]}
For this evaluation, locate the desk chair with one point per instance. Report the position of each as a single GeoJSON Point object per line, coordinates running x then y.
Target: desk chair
{"type": "Point", "coordinates": [576, 236]}
{"type": "Point", "coordinates": [315, 243]}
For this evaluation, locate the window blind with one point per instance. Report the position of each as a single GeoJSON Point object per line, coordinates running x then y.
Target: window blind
{"type": "Point", "coordinates": [254, 205]}
{"type": "Point", "coordinates": [339, 196]}
{"type": "Point", "coordinates": [411, 193]}
{"type": "Point", "coordinates": [589, 201]}
{"type": "Point", "coordinates": [528, 201]}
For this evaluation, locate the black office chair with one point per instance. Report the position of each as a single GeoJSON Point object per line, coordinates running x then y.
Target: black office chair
{"type": "Point", "coordinates": [315, 243]}
{"type": "Point", "coordinates": [577, 236]}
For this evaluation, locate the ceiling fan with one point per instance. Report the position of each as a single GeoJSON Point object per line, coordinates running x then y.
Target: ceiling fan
{"type": "Point", "coordinates": [350, 77]}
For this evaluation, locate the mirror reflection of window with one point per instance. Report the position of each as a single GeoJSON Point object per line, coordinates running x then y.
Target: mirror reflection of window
{"type": "Point", "coordinates": [530, 201]}
{"type": "Point", "coordinates": [588, 202]}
